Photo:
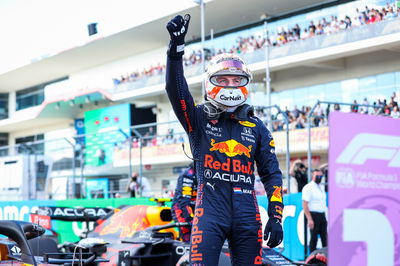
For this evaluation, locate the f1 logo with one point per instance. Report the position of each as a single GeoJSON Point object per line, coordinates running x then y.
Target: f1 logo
{"type": "Point", "coordinates": [366, 146]}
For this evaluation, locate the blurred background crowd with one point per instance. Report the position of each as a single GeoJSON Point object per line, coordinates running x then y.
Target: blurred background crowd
{"type": "Point", "coordinates": [281, 36]}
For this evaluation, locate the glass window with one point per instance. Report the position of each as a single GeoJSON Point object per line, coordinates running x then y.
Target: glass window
{"type": "Point", "coordinates": [30, 97]}
{"type": "Point", "coordinates": [386, 85]}
{"type": "Point", "coordinates": [3, 139]}
{"type": "Point", "coordinates": [333, 92]}
{"type": "Point", "coordinates": [397, 76]}
{"type": "Point", "coordinates": [257, 98]}
{"type": "Point", "coordinates": [275, 98]}
{"type": "Point", "coordinates": [315, 93]}
{"type": "Point", "coordinates": [31, 144]}
{"type": "Point", "coordinates": [4, 144]}
{"type": "Point", "coordinates": [368, 88]}
{"type": "Point", "coordinates": [286, 99]}
{"type": "Point", "coordinates": [374, 88]}
{"type": "Point", "coordinates": [3, 105]}
{"type": "Point", "coordinates": [350, 90]}
{"type": "Point", "coordinates": [300, 96]}
{"type": "Point", "coordinates": [34, 95]}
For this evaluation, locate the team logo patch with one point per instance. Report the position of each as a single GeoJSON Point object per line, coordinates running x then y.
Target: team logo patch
{"type": "Point", "coordinates": [247, 131]}
{"type": "Point", "coordinates": [231, 148]}
{"type": "Point", "coordinates": [277, 194]}
{"type": "Point", "coordinates": [247, 124]}
{"type": "Point", "coordinates": [272, 143]}
{"type": "Point", "coordinates": [187, 191]}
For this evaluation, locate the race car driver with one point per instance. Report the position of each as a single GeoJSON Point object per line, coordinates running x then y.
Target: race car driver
{"type": "Point", "coordinates": [226, 139]}
{"type": "Point", "coordinates": [184, 201]}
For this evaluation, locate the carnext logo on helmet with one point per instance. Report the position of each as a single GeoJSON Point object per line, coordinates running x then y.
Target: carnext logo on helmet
{"type": "Point", "coordinates": [367, 146]}
{"type": "Point", "coordinates": [230, 98]}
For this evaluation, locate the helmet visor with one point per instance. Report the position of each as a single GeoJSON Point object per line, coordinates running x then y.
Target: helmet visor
{"type": "Point", "coordinates": [229, 80]}
{"type": "Point", "coordinates": [229, 67]}
{"type": "Point", "coordinates": [230, 64]}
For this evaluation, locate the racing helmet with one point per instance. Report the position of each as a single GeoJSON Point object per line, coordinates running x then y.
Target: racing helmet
{"type": "Point", "coordinates": [218, 92]}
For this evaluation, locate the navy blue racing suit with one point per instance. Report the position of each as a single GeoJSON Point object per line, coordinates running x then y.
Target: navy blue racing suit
{"type": "Point", "coordinates": [184, 201]}
{"type": "Point", "coordinates": [224, 150]}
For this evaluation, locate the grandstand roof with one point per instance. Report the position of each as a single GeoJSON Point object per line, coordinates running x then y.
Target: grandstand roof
{"type": "Point", "coordinates": [220, 16]}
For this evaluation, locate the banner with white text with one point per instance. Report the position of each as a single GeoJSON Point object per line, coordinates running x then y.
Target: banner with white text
{"type": "Point", "coordinates": [364, 190]}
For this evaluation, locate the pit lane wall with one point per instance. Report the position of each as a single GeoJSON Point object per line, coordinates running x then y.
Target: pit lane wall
{"type": "Point", "coordinates": [292, 217]}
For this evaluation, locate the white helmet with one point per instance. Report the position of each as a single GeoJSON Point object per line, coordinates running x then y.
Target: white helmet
{"type": "Point", "coordinates": [220, 94]}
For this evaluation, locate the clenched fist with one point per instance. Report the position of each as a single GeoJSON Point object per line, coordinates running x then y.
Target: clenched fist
{"type": "Point", "coordinates": [177, 28]}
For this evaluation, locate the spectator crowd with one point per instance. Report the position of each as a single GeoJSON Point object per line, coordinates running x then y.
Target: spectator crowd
{"type": "Point", "coordinates": [298, 118]}
{"type": "Point", "coordinates": [251, 43]}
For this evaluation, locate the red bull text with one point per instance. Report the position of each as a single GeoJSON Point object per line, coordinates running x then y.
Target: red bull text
{"type": "Point", "coordinates": [197, 236]}
{"type": "Point", "coordinates": [233, 165]}
{"type": "Point", "coordinates": [184, 109]}
{"type": "Point", "coordinates": [258, 259]}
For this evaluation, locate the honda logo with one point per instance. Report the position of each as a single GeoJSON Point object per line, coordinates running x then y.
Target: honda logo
{"type": "Point", "coordinates": [367, 146]}
{"type": "Point", "coordinates": [247, 130]}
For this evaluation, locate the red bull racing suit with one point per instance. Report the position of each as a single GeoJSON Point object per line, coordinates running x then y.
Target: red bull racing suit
{"type": "Point", "coordinates": [184, 201]}
{"type": "Point", "coordinates": [225, 150]}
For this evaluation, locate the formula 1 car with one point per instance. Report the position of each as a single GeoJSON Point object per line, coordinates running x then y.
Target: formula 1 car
{"type": "Point", "coordinates": [147, 235]}
{"type": "Point", "coordinates": [152, 247]}
{"type": "Point", "coordinates": [115, 226]}
{"type": "Point", "coordinates": [158, 245]}
{"type": "Point", "coordinates": [23, 246]}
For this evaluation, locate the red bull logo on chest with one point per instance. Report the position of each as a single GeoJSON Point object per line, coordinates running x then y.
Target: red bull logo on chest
{"type": "Point", "coordinates": [235, 166]}
{"type": "Point", "coordinates": [231, 148]}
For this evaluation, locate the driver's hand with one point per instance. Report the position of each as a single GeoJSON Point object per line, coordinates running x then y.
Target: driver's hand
{"type": "Point", "coordinates": [177, 29]}
{"type": "Point", "coordinates": [273, 232]}
{"type": "Point", "coordinates": [310, 224]}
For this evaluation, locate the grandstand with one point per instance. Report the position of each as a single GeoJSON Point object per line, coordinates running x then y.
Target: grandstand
{"type": "Point", "coordinates": [98, 110]}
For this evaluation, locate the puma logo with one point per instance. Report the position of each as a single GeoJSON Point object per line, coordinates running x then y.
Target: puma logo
{"type": "Point", "coordinates": [212, 186]}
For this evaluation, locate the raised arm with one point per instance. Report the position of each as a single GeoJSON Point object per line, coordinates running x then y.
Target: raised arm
{"type": "Point", "coordinates": [176, 85]}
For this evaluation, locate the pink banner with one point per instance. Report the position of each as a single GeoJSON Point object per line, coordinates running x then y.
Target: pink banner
{"type": "Point", "coordinates": [364, 190]}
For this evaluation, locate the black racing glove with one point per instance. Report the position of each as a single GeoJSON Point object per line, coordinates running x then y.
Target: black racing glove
{"type": "Point", "coordinates": [273, 232]}
{"type": "Point", "coordinates": [177, 28]}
